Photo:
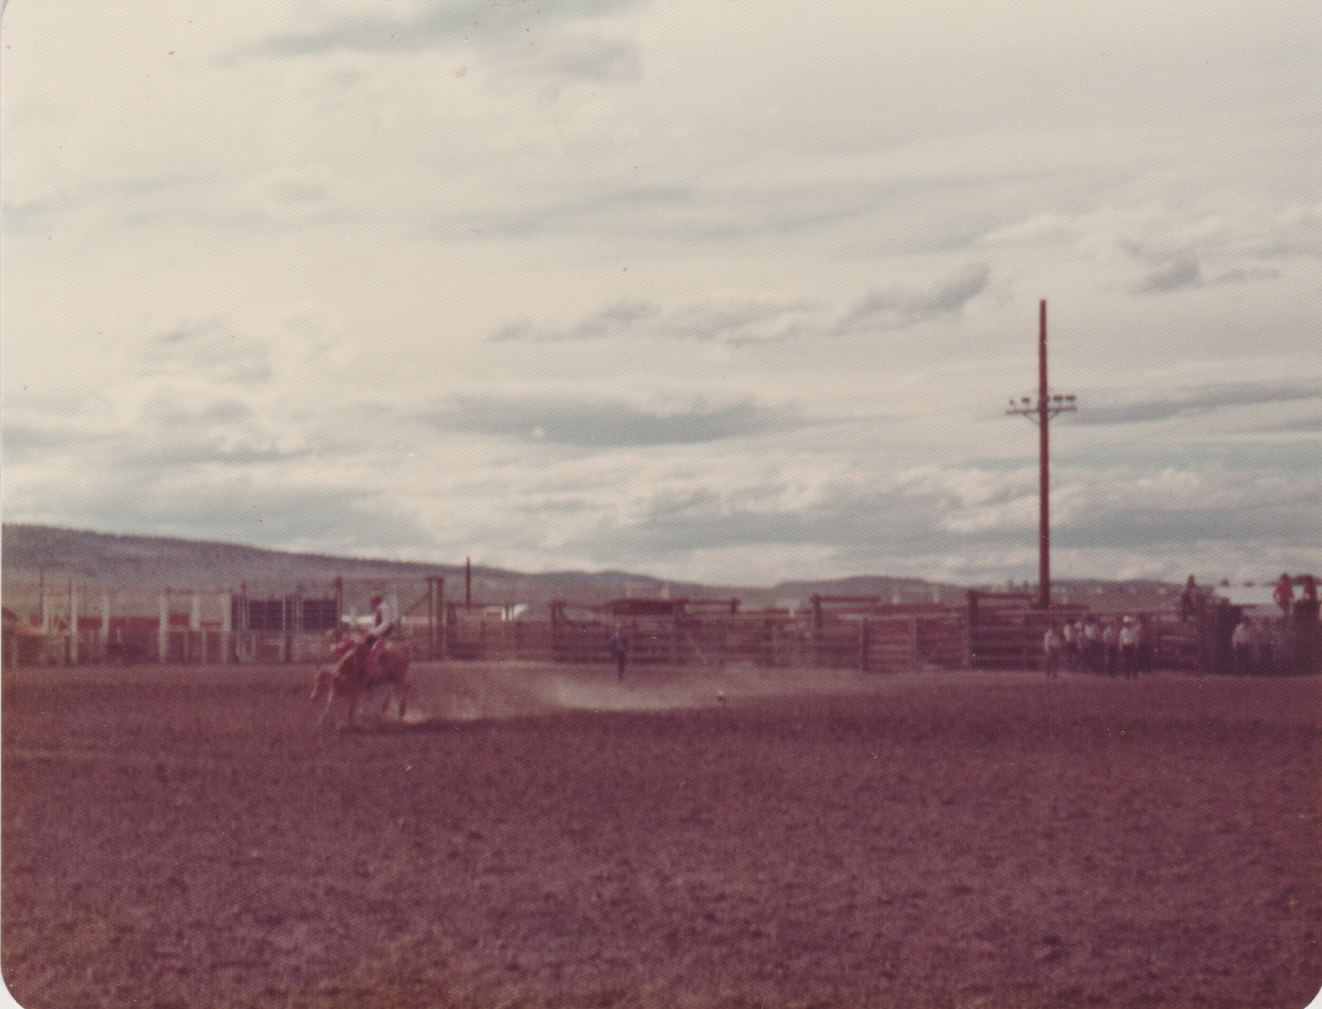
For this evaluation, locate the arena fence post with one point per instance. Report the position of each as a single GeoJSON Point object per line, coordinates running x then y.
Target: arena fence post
{"type": "Point", "coordinates": [163, 628]}
{"type": "Point", "coordinates": [103, 646]}
{"type": "Point", "coordinates": [75, 604]}
{"type": "Point", "coordinates": [226, 627]}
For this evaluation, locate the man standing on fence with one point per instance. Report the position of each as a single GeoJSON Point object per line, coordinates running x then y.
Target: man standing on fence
{"type": "Point", "coordinates": [1283, 594]}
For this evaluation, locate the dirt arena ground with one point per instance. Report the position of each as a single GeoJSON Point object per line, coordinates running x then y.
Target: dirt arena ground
{"type": "Point", "coordinates": [534, 836]}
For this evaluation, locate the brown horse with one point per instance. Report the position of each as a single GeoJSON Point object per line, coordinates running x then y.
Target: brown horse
{"type": "Point", "coordinates": [349, 677]}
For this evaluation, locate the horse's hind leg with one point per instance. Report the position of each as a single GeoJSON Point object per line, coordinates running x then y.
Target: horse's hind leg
{"type": "Point", "coordinates": [335, 689]}
{"type": "Point", "coordinates": [397, 692]}
{"type": "Point", "coordinates": [355, 695]}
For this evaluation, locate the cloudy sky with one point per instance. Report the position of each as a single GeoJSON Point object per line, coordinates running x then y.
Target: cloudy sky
{"type": "Point", "coordinates": [716, 290]}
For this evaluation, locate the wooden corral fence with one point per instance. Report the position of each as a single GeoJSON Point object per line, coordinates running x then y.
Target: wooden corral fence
{"type": "Point", "coordinates": [62, 625]}
{"type": "Point", "coordinates": [833, 632]}
{"type": "Point", "coordinates": [493, 633]}
{"type": "Point", "coordinates": [992, 631]}
{"type": "Point", "coordinates": [863, 632]}
{"type": "Point", "coordinates": [1006, 631]}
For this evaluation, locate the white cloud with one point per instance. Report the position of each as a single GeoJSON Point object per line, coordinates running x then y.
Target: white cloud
{"type": "Point", "coordinates": [738, 322]}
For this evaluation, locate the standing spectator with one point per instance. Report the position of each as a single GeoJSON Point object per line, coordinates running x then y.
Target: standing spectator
{"type": "Point", "coordinates": [619, 651]}
{"type": "Point", "coordinates": [1245, 643]}
{"type": "Point", "coordinates": [1067, 646]}
{"type": "Point", "coordinates": [1283, 594]}
{"type": "Point", "coordinates": [1147, 644]}
{"type": "Point", "coordinates": [1053, 645]}
{"type": "Point", "coordinates": [1092, 645]}
{"type": "Point", "coordinates": [1129, 641]}
{"type": "Point", "coordinates": [1111, 644]}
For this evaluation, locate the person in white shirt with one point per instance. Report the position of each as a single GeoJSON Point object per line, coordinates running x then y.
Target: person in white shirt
{"type": "Point", "coordinates": [1245, 642]}
{"type": "Point", "coordinates": [1093, 659]}
{"type": "Point", "coordinates": [1071, 650]}
{"type": "Point", "coordinates": [1053, 644]}
{"type": "Point", "coordinates": [1129, 641]}
{"type": "Point", "coordinates": [1111, 646]}
{"type": "Point", "coordinates": [383, 622]}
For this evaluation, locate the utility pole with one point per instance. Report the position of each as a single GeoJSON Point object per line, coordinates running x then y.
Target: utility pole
{"type": "Point", "coordinates": [1041, 412]}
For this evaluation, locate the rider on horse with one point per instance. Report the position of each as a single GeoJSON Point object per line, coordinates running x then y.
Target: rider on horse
{"type": "Point", "coordinates": [383, 622]}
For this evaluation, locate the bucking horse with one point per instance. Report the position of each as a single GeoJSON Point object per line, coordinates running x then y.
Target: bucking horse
{"type": "Point", "coordinates": [348, 679]}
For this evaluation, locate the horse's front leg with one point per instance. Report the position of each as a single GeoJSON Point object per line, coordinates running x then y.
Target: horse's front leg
{"type": "Point", "coordinates": [355, 695]}
{"type": "Point", "coordinates": [331, 693]}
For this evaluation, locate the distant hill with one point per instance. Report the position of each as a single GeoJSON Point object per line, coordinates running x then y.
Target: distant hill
{"type": "Point", "coordinates": [32, 552]}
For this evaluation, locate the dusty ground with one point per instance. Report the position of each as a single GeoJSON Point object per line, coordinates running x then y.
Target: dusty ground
{"type": "Point", "coordinates": [535, 836]}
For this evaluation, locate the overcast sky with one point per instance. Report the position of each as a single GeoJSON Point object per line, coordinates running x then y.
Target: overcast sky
{"type": "Point", "coordinates": [718, 290]}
